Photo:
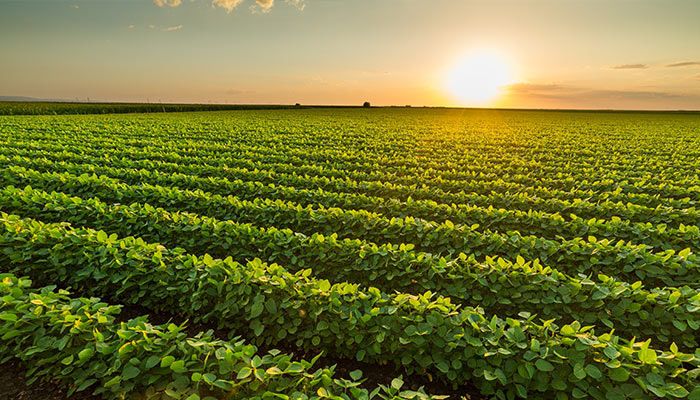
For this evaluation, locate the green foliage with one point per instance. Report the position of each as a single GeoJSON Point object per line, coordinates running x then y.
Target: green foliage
{"type": "Point", "coordinates": [629, 261]}
{"type": "Point", "coordinates": [340, 318]}
{"type": "Point", "coordinates": [83, 343]}
{"type": "Point", "coordinates": [530, 254]}
{"type": "Point", "coordinates": [496, 285]}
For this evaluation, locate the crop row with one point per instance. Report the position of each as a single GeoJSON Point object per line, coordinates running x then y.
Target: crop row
{"type": "Point", "coordinates": [433, 154]}
{"type": "Point", "coordinates": [439, 191]}
{"type": "Point", "coordinates": [483, 160]}
{"type": "Point", "coordinates": [629, 262]}
{"type": "Point", "coordinates": [539, 223]}
{"type": "Point", "coordinates": [506, 358]}
{"type": "Point", "coordinates": [483, 180]}
{"type": "Point", "coordinates": [86, 345]}
{"type": "Point", "coordinates": [286, 191]}
{"type": "Point", "coordinates": [499, 286]}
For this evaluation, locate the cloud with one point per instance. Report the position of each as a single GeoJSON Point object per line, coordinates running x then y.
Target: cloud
{"type": "Point", "coordinates": [230, 5]}
{"type": "Point", "coordinates": [172, 28]}
{"type": "Point", "coordinates": [265, 5]}
{"type": "Point", "coordinates": [167, 3]}
{"type": "Point", "coordinates": [296, 3]}
{"type": "Point", "coordinates": [630, 66]}
{"type": "Point", "coordinates": [75, 6]}
{"type": "Point", "coordinates": [563, 92]}
{"type": "Point", "coordinates": [537, 89]}
{"type": "Point", "coordinates": [131, 26]}
{"type": "Point", "coordinates": [632, 94]}
{"type": "Point", "coordinates": [684, 64]}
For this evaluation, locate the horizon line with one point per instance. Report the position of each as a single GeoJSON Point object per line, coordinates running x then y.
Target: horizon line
{"type": "Point", "coordinates": [19, 99]}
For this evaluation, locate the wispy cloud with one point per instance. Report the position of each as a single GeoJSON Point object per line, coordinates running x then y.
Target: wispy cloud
{"type": "Point", "coordinates": [557, 91]}
{"type": "Point", "coordinates": [263, 6]}
{"type": "Point", "coordinates": [630, 66]}
{"type": "Point", "coordinates": [535, 88]}
{"type": "Point", "coordinates": [172, 28]}
{"type": "Point", "coordinates": [167, 3]}
{"type": "Point", "coordinates": [296, 3]}
{"type": "Point", "coordinates": [131, 26]}
{"type": "Point", "coordinates": [684, 64]}
{"type": "Point", "coordinates": [228, 5]}
{"type": "Point", "coordinates": [75, 6]}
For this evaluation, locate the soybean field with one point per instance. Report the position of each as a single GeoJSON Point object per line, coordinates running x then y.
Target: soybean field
{"type": "Point", "coordinates": [341, 253]}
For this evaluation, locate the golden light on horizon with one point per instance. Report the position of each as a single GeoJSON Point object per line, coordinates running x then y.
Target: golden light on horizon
{"type": "Point", "coordinates": [479, 78]}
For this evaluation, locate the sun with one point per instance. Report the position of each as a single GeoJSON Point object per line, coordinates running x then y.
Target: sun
{"type": "Point", "coordinates": [479, 78]}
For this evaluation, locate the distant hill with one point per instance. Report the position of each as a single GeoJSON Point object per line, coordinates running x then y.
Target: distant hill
{"type": "Point", "coordinates": [48, 107]}
{"type": "Point", "coordinates": [19, 98]}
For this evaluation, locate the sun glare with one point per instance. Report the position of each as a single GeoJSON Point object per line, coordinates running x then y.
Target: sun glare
{"type": "Point", "coordinates": [479, 78]}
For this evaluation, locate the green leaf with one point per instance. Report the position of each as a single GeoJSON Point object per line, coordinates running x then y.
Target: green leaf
{"type": "Point", "coordinates": [611, 352]}
{"type": "Point", "coordinates": [85, 354]}
{"type": "Point", "coordinates": [258, 305]}
{"type": "Point", "coordinates": [593, 371]}
{"type": "Point", "coordinates": [619, 374]}
{"type": "Point", "coordinates": [489, 376]}
{"type": "Point", "coordinates": [152, 361]}
{"type": "Point", "coordinates": [674, 348]}
{"type": "Point", "coordinates": [356, 375]}
{"type": "Point", "coordinates": [130, 371]}
{"type": "Point", "coordinates": [647, 356]}
{"type": "Point", "coordinates": [567, 330]}
{"type": "Point", "coordinates": [85, 384]}
{"type": "Point", "coordinates": [695, 394]}
{"type": "Point", "coordinates": [6, 316]}
{"type": "Point", "coordinates": [244, 373]}
{"type": "Point", "coordinates": [443, 366]}
{"type": "Point", "coordinates": [676, 390]}
{"type": "Point", "coordinates": [113, 381]}
{"type": "Point", "coordinates": [166, 361]}
{"type": "Point", "coordinates": [208, 260]}
{"type": "Point", "coordinates": [544, 365]}
{"type": "Point", "coordinates": [178, 366]}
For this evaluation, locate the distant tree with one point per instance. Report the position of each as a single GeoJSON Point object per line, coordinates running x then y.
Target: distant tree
{"type": "Point", "coordinates": [297, 105]}
{"type": "Point", "coordinates": [366, 104]}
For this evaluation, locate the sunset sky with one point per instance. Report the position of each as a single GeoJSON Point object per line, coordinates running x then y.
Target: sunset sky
{"type": "Point", "coordinates": [518, 53]}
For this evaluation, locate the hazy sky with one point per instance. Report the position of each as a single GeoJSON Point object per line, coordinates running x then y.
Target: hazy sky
{"type": "Point", "coordinates": [559, 53]}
